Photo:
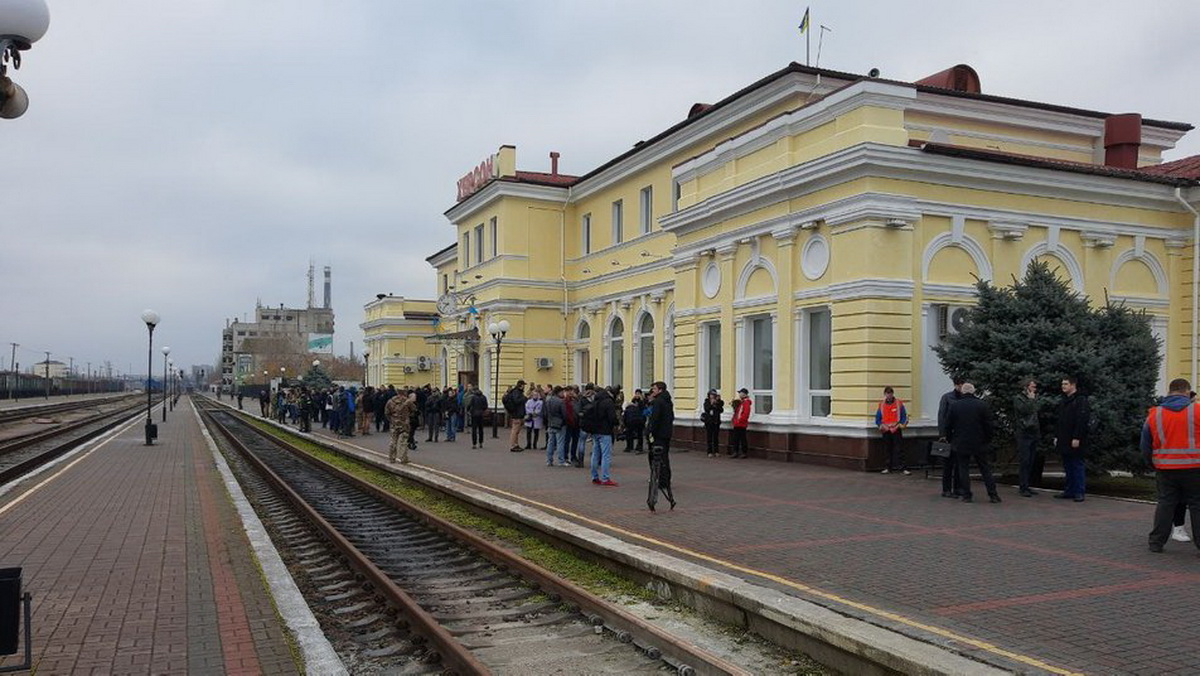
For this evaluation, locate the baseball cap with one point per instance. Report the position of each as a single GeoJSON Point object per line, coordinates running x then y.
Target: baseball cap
{"type": "Point", "coordinates": [743, 391]}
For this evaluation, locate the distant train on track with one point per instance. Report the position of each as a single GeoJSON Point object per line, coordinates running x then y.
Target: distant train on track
{"type": "Point", "coordinates": [29, 386]}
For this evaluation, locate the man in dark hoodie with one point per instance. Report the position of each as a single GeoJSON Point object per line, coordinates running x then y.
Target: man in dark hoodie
{"type": "Point", "coordinates": [658, 427]}
{"type": "Point", "coordinates": [1171, 441]}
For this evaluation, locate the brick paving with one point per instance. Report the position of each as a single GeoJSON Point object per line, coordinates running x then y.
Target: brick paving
{"type": "Point", "coordinates": [1032, 584]}
{"type": "Point", "coordinates": [138, 564]}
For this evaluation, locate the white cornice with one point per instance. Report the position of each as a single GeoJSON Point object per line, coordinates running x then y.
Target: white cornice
{"type": "Point", "coordinates": [1001, 138]}
{"type": "Point", "coordinates": [961, 292]}
{"type": "Point", "coordinates": [860, 288]}
{"type": "Point", "coordinates": [442, 257]}
{"type": "Point", "coordinates": [713, 124]}
{"type": "Point", "coordinates": [497, 189]}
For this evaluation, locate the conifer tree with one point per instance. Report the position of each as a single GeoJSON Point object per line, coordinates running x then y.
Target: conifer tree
{"type": "Point", "coordinates": [1040, 328]}
{"type": "Point", "coordinates": [317, 379]}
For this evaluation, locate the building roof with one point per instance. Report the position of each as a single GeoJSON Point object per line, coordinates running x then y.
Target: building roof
{"type": "Point", "coordinates": [1188, 167]}
{"type": "Point", "coordinates": [542, 178]}
{"type": "Point", "coordinates": [440, 252]}
{"type": "Point", "coordinates": [1047, 163]}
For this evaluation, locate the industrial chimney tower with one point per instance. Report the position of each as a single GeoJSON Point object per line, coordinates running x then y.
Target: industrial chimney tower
{"type": "Point", "coordinates": [328, 289]}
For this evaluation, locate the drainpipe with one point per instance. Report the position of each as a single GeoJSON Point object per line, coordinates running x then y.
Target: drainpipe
{"type": "Point", "coordinates": [1195, 279]}
{"type": "Point", "coordinates": [562, 268]}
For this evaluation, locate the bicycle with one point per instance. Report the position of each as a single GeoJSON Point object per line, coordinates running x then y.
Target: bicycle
{"type": "Point", "coordinates": [656, 457]}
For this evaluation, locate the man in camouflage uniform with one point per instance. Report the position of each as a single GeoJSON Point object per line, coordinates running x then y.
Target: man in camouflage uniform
{"type": "Point", "coordinates": [400, 411]}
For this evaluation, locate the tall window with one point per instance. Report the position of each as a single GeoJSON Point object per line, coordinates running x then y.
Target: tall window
{"type": "Point", "coordinates": [495, 241]}
{"type": "Point", "coordinates": [645, 340]}
{"type": "Point", "coordinates": [646, 208]}
{"type": "Point", "coordinates": [762, 366]}
{"type": "Point", "coordinates": [710, 334]}
{"type": "Point", "coordinates": [583, 356]}
{"type": "Point", "coordinates": [479, 244]}
{"type": "Point", "coordinates": [465, 259]}
{"type": "Point", "coordinates": [445, 283]}
{"type": "Point", "coordinates": [617, 221]}
{"type": "Point", "coordinates": [585, 235]}
{"type": "Point", "coordinates": [676, 193]}
{"type": "Point", "coordinates": [820, 356]}
{"type": "Point", "coordinates": [616, 353]}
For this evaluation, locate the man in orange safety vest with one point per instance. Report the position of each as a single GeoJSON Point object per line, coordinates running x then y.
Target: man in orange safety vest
{"type": "Point", "coordinates": [891, 418]}
{"type": "Point", "coordinates": [1169, 440]}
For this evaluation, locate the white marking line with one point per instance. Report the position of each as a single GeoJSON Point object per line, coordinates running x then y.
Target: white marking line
{"type": "Point", "coordinates": [319, 655]}
{"type": "Point", "coordinates": [96, 444]}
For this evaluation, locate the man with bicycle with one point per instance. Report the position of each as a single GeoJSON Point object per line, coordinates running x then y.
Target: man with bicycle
{"type": "Point", "coordinates": [658, 428]}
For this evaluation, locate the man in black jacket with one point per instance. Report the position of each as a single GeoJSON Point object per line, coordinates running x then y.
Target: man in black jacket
{"type": "Point", "coordinates": [478, 409]}
{"type": "Point", "coordinates": [1071, 436]}
{"type": "Point", "coordinates": [658, 428]}
{"type": "Point", "coordinates": [599, 419]}
{"type": "Point", "coordinates": [970, 429]}
{"type": "Point", "coordinates": [949, 473]}
{"type": "Point", "coordinates": [514, 406]}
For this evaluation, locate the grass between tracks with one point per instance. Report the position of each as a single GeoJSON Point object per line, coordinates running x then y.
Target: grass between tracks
{"type": "Point", "coordinates": [591, 576]}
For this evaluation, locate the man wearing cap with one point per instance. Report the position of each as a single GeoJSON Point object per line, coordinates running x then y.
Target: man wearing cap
{"type": "Point", "coordinates": [714, 406]}
{"type": "Point", "coordinates": [1171, 441]}
{"type": "Point", "coordinates": [741, 421]}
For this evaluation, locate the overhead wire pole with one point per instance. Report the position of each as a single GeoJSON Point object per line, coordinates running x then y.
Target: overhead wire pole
{"type": "Point", "coordinates": [47, 374]}
{"type": "Point", "coordinates": [12, 381]}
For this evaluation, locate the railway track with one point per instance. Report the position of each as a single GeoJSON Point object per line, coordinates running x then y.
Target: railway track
{"type": "Point", "coordinates": [24, 453]}
{"type": "Point", "coordinates": [399, 590]}
{"type": "Point", "coordinates": [41, 410]}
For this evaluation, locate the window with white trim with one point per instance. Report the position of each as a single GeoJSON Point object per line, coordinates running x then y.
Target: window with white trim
{"type": "Point", "coordinates": [616, 353]}
{"type": "Point", "coordinates": [585, 235]}
{"type": "Point", "coordinates": [479, 244]}
{"type": "Point", "coordinates": [464, 261]}
{"type": "Point", "coordinates": [762, 362]}
{"type": "Point", "coordinates": [710, 360]}
{"type": "Point", "coordinates": [645, 342]}
{"type": "Point", "coordinates": [646, 208]}
{"type": "Point", "coordinates": [818, 361]}
{"type": "Point", "coordinates": [495, 240]}
{"type": "Point", "coordinates": [618, 217]}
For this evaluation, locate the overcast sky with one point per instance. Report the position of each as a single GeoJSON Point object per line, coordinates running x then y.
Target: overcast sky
{"type": "Point", "coordinates": [192, 157]}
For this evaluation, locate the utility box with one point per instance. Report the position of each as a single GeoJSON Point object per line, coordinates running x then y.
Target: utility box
{"type": "Point", "coordinates": [10, 610]}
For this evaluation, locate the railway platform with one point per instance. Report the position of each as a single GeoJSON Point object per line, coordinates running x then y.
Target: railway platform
{"type": "Point", "coordinates": [1031, 585]}
{"type": "Point", "coordinates": [137, 561]}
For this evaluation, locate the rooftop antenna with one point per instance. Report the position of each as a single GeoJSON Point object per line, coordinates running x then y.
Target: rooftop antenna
{"type": "Point", "coordinates": [821, 41]}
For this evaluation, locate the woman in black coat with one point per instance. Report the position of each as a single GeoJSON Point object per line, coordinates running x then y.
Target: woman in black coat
{"type": "Point", "coordinates": [714, 406]}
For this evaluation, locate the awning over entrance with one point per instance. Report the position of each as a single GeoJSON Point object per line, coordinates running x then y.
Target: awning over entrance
{"type": "Point", "coordinates": [468, 337]}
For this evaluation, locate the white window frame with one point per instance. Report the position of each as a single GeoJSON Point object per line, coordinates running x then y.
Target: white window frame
{"type": "Point", "coordinates": [585, 234]}
{"type": "Point", "coordinates": [618, 222]}
{"type": "Point", "coordinates": [646, 208]}
{"type": "Point", "coordinates": [479, 244]}
{"type": "Point", "coordinates": [746, 325]}
{"type": "Point", "coordinates": [615, 376]}
{"type": "Point", "coordinates": [495, 236]}
{"type": "Point", "coordinates": [639, 356]}
{"type": "Point", "coordinates": [703, 367]}
{"type": "Point", "coordinates": [804, 360]}
{"type": "Point", "coordinates": [465, 259]}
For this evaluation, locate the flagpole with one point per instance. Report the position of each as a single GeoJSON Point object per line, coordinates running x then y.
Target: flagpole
{"type": "Point", "coordinates": [807, 42]}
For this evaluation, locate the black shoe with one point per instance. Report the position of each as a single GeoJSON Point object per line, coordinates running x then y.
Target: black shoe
{"type": "Point", "coordinates": [968, 499]}
{"type": "Point", "coordinates": [1156, 548]}
{"type": "Point", "coordinates": [1027, 494]}
{"type": "Point", "coordinates": [1078, 498]}
{"type": "Point", "coordinates": [516, 449]}
{"type": "Point", "coordinates": [1063, 496]}
{"type": "Point", "coordinates": [948, 494]}
{"type": "Point", "coordinates": [993, 498]}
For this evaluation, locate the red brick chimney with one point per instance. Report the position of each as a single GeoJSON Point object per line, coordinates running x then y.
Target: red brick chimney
{"type": "Point", "coordinates": [1122, 140]}
{"type": "Point", "coordinates": [554, 162]}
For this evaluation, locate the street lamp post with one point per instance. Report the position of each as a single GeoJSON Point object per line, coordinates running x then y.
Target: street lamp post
{"type": "Point", "coordinates": [366, 368]}
{"type": "Point", "coordinates": [171, 389]}
{"type": "Point", "coordinates": [166, 351]}
{"type": "Point", "coordinates": [22, 23]}
{"type": "Point", "coordinates": [498, 331]}
{"type": "Point", "coordinates": [151, 319]}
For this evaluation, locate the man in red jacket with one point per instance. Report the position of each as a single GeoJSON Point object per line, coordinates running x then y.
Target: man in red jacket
{"type": "Point", "coordinates": [741, 420]}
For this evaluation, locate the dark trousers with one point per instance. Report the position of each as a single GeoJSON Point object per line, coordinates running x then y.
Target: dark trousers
{"type": "Point", "coordinates": [963, 461]}
{"type": "Point", "coordinates": [1076, 477]}
{"type": "Point", "coordinates": [572, 443]}
{"type": "Point", "coordinates": [634, 433]}
{"type": "Point", "coordinates": [664, 469]}
{"type": "Point", "coordinates": [949, 476]}
{"type": "Point", "coordinates": [711, 434]}
{"type": "Point", "coordinates": [476, 430]}
{"type": "Point", "coordinates": [894, 451]}
{"type": "Point", "coordinates": [531, 437]}
{"type": "Point", "coordinates": [305, 424]}
{"type": "Point", "coordinates": [1176, 487]}
{"type": "Point", "coordinates": [739, 445]}
{"type": "Point", "coordinates": [1026, 455]}
{"type": "Point", "coordinates": [433, 421]}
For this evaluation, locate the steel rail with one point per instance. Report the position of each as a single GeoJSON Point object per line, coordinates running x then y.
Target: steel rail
{"type": "Point", "coordinates": [28, 440]}
{"type": "Point", "coordinates": [688, 659]}
{"type": "Point", "coordinates": [16, 471]}
{"type": "Point", "coordinates": [23, 412]}
{"type": "Point", "coordinates": [453, 654]}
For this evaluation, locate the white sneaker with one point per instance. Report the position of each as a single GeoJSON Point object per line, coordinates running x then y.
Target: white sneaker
{"type": "Point", "coordinates": [886, 471]}
{"type": "Point", "coordinates": [1179, 534]}
{"type": "Point", "coordinates": [907, 473]}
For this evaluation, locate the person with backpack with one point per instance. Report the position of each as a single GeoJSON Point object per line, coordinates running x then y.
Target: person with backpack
{"type": "Point", "coordinates": [634, 418]}
{"type": "Point", "coordinates": [514, 405]}
{"type": "Point", "coordinates": [659, 427]}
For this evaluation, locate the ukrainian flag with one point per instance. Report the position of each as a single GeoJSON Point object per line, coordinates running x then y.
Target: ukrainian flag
{"type": "Point", "coordinates": [804, 21]}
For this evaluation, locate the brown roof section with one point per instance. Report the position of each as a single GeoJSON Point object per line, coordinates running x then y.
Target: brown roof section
{"type": "Point", "coordinates": [1047, 163]}
{"type": "Point", "coordinates": [1188, 167]}
{"type": "Point", "coordinates": [542, 178]}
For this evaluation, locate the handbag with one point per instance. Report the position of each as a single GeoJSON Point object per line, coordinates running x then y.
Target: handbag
{"type": "Point", "coordinates": [939, 449]}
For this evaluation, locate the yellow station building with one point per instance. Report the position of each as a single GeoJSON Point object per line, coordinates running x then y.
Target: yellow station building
{"type": "Point", "coordinates": [809, 237]}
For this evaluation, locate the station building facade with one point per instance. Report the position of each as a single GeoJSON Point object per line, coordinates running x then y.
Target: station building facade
{"type": "Point", "coordinates": [395, 332]}
{"type": "Point", "coordinates": [809, 238]}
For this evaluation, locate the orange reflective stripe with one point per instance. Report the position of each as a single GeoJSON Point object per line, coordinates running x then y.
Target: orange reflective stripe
{"type": "Point", "coordinates": [1171, 451]}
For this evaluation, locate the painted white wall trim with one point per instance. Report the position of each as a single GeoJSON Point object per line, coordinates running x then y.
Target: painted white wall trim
{"type": "Point", "coordinates": [983, 263]}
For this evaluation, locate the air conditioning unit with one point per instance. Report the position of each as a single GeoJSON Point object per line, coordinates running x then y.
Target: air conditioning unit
{"type": "Point", "coordinates": [951, 320]}
{"type": "Point", "coordinates": [408, 369]}
{"type": "Point", "coordinates": [543, 362]}
{"type": "Point", "coordinates": [424, 363]}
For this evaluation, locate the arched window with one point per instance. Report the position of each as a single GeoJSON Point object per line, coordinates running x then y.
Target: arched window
{"type": "Point", "coordinates": [583, 355]}
{"type": "Point", "coordinates": [645, 342]}
{"type": "Point", "coordinates": [616, 352]}
{"type": "Point", "coordinates": [585, 331]}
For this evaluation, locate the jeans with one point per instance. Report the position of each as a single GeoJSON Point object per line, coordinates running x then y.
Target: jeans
{"type": "Point", "coordinates": [554, 443]}
{"type": "Point", "coordinates": [571, 445]}
{"type": "Point", "coordinates": [1076, 481]}
{"type": "Point", "coordinates": [451, 426]}
{"type": "Point", "coordinates": [1026, 451]}
{"type": "Point", "coordinates": [601, 456]}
